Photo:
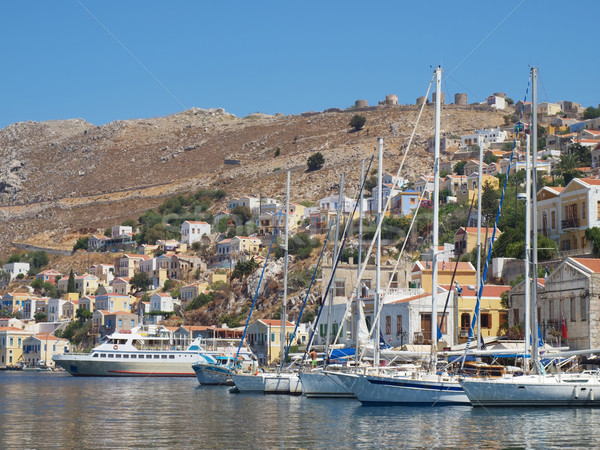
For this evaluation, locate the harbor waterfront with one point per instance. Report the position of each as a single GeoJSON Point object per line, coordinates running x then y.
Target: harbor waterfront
{"type": "Point", "coordinates": [41, 410]}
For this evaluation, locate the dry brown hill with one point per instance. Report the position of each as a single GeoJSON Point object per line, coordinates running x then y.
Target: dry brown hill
{"type": "Point", "coordinates": [61, 178]}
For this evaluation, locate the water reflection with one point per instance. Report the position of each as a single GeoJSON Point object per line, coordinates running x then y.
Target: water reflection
{"type": "Point", "coordinates": [57, 410]}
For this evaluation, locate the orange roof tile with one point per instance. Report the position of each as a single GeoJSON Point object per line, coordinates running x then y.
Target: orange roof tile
{"type": "Point", "coordinates": [591, 263]}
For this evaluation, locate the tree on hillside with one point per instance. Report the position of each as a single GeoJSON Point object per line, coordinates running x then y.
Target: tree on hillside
{"type": "Point", "coordinates": [567, 167]}
{"type": "Point", "coordinates": [358, 122]}
{"type": "Point", "coordinates": [315, 161]}
{"type": "Point", "coordinates": [81, 244]}
{"type": "Point", "coordinates": [71, 282]}
{"type": "Point", "coordinates": [582, 153]}
{"type": "Point", "coordinates": [490, 158]}
{"type": "Point", "coordinates": [591, 113]}
{"type": "Point", "coordinates": [459, 167]}
{"type": "Point", "coordinates": [140, 281]}
{"type": "Point", "coordinates": [129, 223]}
{"type": "Point", "coordinates": [39, 259]}
{"type": "Point", "coordinates": [243, 212]}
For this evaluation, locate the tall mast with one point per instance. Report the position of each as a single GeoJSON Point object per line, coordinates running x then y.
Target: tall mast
{"type": "Point", "coordinates": [478, 280]}
{"type": "Point", "coordinates": [285, 271]}
{"type": "Point", "coordinates": [534, 322]}
{"type": "Point", "coordinates": [527, 251]}
{"type": "Point", "coordinates": [359, 258]}
{"type": "Point", "coordinates": [376, 297]}
{"type": "Point", "coordinates": [335, 258]}
{"type": "Point", "coordinates": [436, 225]}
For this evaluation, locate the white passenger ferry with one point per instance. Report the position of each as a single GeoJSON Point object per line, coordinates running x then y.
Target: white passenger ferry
{"type": "Point", "coordinates": [146, 352]}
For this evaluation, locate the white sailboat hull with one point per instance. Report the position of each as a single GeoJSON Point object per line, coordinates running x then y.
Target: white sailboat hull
{"type": "Point", "coordinates": [319, 384]}
{"type": "Point", "coordinates": [534, 390]}
{"type": "Point", "coordinates": [282, 383]}
{"type": "Point", "coordinates": [247, 383]}
{"type": "Point", "coordinates": [391, 390]}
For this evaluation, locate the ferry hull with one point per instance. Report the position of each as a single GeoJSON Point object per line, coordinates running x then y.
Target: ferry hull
{"type": "Point", "coordinates": [86, 367]}
{"type": "Point", "coordinates": [533, 391]}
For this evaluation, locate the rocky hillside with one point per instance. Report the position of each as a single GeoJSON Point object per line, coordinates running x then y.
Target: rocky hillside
{"type": "Point", "coordinates": [60, 179]}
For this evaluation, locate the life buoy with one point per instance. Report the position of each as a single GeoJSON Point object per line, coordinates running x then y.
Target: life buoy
{"type": "Point", "coordinates": [115, 346]}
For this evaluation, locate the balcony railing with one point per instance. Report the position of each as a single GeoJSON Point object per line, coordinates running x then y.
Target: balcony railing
{"type": "Point", "coordinates": [569, 223]}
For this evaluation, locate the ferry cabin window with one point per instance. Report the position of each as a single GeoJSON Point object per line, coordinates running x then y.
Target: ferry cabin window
{"type": "Point", "coordinates": [163, 356]}
{"type": "Point", "coordinates": [171, 356]}
{"type": "Point", "coordinates": [125, 356]}
{"type": "Point", "coordinates": [134, 356]}
{"type": "Point", "coordinates": [103, 355]}
{"type": "Point", "coordinates": [95, 355]}
{"type": "Point", "coordinates": [118, 355]}
{"type": "Point", "coordinates": [148, 356]}
{"type": "Point", "coordinates": [110, 355]}
{"type": "Point", "coordinates": [156, 356]}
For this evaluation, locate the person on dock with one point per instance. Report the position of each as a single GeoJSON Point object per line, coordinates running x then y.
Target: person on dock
{"type": "Point", "coordinates": [313, 356]}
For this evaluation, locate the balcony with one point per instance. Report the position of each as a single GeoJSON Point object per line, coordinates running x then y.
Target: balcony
{"type": "Point", "coordinates": [569, 223]}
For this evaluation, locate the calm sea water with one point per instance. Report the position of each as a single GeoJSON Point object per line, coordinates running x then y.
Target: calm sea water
{"type": "Point", "coordinates": [49, 410]}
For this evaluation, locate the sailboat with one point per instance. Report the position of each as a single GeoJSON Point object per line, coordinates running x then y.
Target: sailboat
{"type": "Point", "coordinates": [414, 387]}
{"type": "Point", "coordinates": [538, 388]}
{"type": "Point", "coordinates": [275, 382]}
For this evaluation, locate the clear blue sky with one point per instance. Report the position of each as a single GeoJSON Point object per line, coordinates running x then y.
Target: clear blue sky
{"type": "Point", "coordinates": [58, 62]}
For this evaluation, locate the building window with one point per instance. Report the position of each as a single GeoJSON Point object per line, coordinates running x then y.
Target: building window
{"type": "Point", "coordinates": [398, 325]}
{"type": "Point", "coordinates": [553, 219]}
{"type": "Point", "coordinates": [583, 210]}
{"type": "Point", "coordinates": [388, 325]}
{"type": "Point", "coordinates": [582, 307]}
{"type": "Point", "coordinates": [486, 320]}
{"type": "Point", "coordinates": [340, 288]}
{"type": "Point", "coordinates": [573, 310]}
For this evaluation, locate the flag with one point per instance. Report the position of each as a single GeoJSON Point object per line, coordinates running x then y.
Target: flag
{"type": "Point", "coordinates": [563, 329]}
{"type": "Point", "coordinates": [546, 274]}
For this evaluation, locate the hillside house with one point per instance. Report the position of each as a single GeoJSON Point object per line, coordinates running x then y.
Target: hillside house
{"type": "Point", "coordinates": [48, 276]}
{"type": "Point", "coordinates": [465, 239]}
{"type": "Point", "coordinates": [192, 231]}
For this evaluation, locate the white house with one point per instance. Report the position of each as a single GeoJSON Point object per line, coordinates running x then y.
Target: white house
{"type": "Point", "coordinates": [424, 183]}
{"type": "Point", "coordinates": [55, 309]}
{"type": "Point", "coordinates": [120, 230]}
{"type": "Point", "coordinates": [161, 302]}
{"type": "Point", "coordinates": [331, 203]}
{"type": "Point", "coordinates": [192, 231]}
{"type": "Point", "coordinates": [16, 268]}
{"type": "Point", "coordinates": [489, 135]}
{"type": "Point", "coordinates": [496, 102]}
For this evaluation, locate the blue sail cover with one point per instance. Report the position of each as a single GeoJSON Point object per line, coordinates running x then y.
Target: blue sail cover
{"type": "Point", "coordinates": [341, 353]}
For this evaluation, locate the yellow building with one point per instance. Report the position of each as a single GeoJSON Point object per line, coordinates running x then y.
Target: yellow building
{"type": "Point", "coordinates": [579, 210]}
{"type": "Point", "coordinates": [470, 190]}
{"type": "Point", "coordinates": [422, 270]}
{"type": "Point", "coordinates": [11, 345]}
{"type": "Point", "coordinates": [264, 337]}
{"type": "Point", "coordinates": [42, 347]}
{"type": "Point", "coordinates": [214, 277]}
{"type": "Point", "coordinates": [114, 302]}
{"type": "Point", "coordinates": [14, 301]}
{"type": "Point", "coordinates": [465, 239]}
{"type": "Point", "coordinates": [493, 314]}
